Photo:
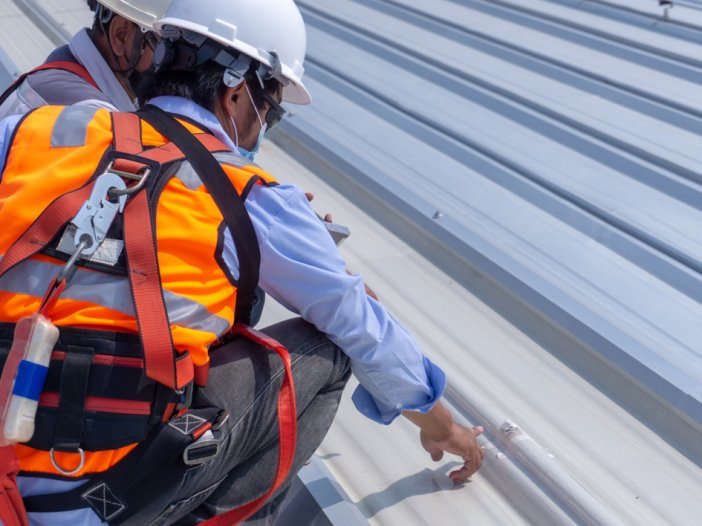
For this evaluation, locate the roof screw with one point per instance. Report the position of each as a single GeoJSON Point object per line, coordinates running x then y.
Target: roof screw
{"type": "Point", "coordinates": [437, 215]}
{"type": "Point", "coordinates": [508, 427]}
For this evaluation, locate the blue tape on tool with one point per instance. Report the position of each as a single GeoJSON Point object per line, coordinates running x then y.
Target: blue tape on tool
{"type": "Point", "coordinates": [30, 380]}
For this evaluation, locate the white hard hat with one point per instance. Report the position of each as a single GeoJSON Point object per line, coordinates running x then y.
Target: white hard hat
{"type": "Point", "coordinates": [269, 31]}
{"type": "Point", "coordinates": [142, 12]}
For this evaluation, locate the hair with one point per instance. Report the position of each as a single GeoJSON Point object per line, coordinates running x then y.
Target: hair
{"type": "Point", "coordinates": [204, 85]}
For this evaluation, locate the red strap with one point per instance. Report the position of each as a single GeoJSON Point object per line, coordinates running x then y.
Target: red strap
{"type": "Point", "coordinates": [126, 126]}
{"type": "Point", "coordinates": [12, 511]}
{"type": "Point", "coordinates": [72, 67]}
{"type": "Point", "coordinates": [201, 374]}
{"type": "Point", "coordinates": [126, 133]}
{"type": "Point", "coordinates": [46, 226]}
{"type": "Point", "coordinates": [161, 363]}
{"type": "Point", "coordinates": [287, 430]}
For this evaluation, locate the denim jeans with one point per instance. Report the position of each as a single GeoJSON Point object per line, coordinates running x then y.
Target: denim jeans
{"type": "Point", "coordinates": [245, 380]}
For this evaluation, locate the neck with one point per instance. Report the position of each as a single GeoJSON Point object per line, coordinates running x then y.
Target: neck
{"type": "Point", "coordinates": [224, 120]}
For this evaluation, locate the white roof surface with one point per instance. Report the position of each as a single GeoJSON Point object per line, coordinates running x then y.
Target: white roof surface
{"type": "Point", "coordinates": [559, 285]}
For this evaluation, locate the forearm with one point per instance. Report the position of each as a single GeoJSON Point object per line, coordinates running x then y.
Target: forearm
{"type": "Point", "coordinates": [436, 424]}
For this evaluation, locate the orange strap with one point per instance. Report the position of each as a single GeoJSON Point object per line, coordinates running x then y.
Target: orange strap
{"type": "Point", "coordinates": [12, 512]}
{"type": "Point", "coordinates": [287, 430]}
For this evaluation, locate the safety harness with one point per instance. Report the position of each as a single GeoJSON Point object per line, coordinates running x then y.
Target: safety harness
{"type": "Point", "coordinates": [149, 401]}
{"type": "Point", "coordinates": [64, 65]}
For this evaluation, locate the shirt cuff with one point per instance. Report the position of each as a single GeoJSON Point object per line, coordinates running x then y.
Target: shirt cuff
{"type": "Point", "coordinates": [367, 405]}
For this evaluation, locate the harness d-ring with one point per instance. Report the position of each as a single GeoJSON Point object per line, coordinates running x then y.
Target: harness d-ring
{"type": "Point", "coordinates": [63, 471]}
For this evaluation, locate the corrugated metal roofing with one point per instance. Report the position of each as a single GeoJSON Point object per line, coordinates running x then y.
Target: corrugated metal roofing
{"type": "Point", "coordinates": [532, 176]}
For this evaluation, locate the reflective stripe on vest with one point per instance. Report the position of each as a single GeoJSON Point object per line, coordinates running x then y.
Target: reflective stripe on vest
{"type": "Point", "coordinates": [109, 291]}
{"type": "Point", "coordinates": [71, 127]}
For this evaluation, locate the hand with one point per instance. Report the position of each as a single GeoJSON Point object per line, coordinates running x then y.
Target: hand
{"type": "Point", "coordinates": [441, 434]}
{"type": "Point", "coordinates": [327, 217]}
{"type": "Point", "coordinates": [460, 441]}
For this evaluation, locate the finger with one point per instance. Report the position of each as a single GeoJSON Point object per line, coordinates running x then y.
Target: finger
{"type": "Point", "coordinates": [477, 431]}
{"type": "Point", "coordinates": [371, 292]}
{"type": "Point", "coordinates": [437, 455]}
{"type": "Point", "coordinates": [328, 218]}
{"type": "Point", "coordinates": [309, 196]}
{"type": "Point", "coordinates": [461, 475]}
{"type": "Point", "coordinates": [470, 466]}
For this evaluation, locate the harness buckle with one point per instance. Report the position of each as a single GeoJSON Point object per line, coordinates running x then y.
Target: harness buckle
{"type": "Point", "coordinates": [186, 396]}
{"type": "Point", "coordinates": [201, 451]}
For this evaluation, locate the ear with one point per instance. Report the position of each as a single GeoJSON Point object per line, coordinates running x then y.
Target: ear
{"type": "Point", "coordinates": [120, 31]}
{"type": "Point", "coordinates": [231, 98]}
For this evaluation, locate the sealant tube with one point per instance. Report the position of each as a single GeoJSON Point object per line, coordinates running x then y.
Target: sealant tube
{"type": "Point", "coordinates": [23, 377]}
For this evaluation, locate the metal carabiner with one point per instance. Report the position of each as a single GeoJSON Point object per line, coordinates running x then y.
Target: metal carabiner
{"type": "Point", "coordinates": [114, 192]}
{"type": "Point", "coordinates": [95, 217]}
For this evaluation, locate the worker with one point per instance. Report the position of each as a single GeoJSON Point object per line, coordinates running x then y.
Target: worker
{"type": "Point", "coordinates": [102, 65]}
{"type": "Point", "coordinates": [126, 432]}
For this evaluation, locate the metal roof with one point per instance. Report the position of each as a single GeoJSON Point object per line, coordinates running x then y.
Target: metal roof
{"type": "Point", "coordinates": [522, 180]}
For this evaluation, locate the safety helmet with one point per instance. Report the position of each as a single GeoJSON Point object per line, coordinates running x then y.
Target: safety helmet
{"type": "Point", "coordinates": [271, 32]}
{"type": "Point", "coordinates": [142, 12]}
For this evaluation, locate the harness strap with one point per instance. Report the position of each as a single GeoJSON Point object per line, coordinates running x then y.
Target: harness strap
{"type": "Point", "coordinates": [287, 430]}
{"type": "Point", "coordinates": [12, 511]}
{"type": "Point", "coordinates": [144, 278]}
{"type": "Point", "coordinates": [46, 226]}
{"type": "Point", "coordinates": [161, 362]}
{"type": "Point", "coordinates": [65, 65]}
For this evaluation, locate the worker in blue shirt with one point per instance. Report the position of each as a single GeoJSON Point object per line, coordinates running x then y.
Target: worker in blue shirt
{"type": "Point", "coordinates": [230, 83]}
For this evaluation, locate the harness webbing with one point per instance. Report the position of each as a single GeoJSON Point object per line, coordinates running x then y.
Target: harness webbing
{"type": "Point", "coordinates": [46, 226]}
{"type": "Point", "coordinates": [287, 430]}
{"type": "Point", "coordinates": [162, 364]}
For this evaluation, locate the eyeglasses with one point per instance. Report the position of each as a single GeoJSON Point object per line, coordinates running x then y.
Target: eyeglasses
{"type": "Point", "coordinates": [275, 111]}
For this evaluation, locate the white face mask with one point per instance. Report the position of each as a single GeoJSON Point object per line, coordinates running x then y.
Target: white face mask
{"type": "Point", "coordinates": [264, 126]}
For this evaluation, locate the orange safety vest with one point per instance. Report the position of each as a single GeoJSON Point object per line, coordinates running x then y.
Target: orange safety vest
{"type": "Point", "coordinates": [56, 150]}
